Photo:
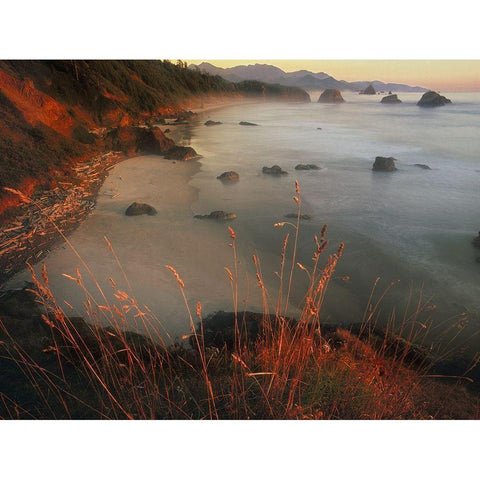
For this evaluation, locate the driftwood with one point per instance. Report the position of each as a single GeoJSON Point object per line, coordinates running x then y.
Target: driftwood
{"type": "Point", "coordinates": [33, 232]}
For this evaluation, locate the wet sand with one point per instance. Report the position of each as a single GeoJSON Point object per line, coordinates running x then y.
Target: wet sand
{"type": "Point", "coordinates": [198, 249]}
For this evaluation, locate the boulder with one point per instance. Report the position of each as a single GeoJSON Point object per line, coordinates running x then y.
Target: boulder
{"type": "Point", "coordinates": [181, 153]}
{"type": "Point", "coordinates": [218, 215]}
{"type": "Point", "coordinates": [391, 99]}
{"type": "Point", "coordinates": [248, 124]}
{"type": "Point", "coordinates": [140, 209]}
{"type": "Point", "coordinates": [132, 140]}
{"type": "Point", "coordinates": [183, 117]}
{"type": "Point", "coordinates": [384, 164]}
{"type": "Point", "coordinates": [307, 166]}
{"type": "Point", "coordinates": [422, 165]}
{"type": "Point", "coordinates": [275, 170]}
{"type": "Point", "coordinates": [369, 91]}
{"type": "Point", "coordinates": [229, 177]}
{"type": "Point", "coordinates": [331, 95]}
{"type": "Point", "coordinates": [476, 241]}
{"type": "Point", "coordinates": [433, 99]}
{"type": "Point", "coordinates": [211, 123]}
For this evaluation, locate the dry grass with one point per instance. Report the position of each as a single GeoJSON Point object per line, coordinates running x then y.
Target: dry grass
{"type": "Point", "coordinates": [290, 369]}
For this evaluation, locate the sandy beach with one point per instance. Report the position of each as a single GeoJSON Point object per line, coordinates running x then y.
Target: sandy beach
{"type": "Point", "coordinates": [197, 249]}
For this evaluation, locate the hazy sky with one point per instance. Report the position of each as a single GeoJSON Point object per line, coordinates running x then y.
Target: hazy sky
{"type": "Point", "coordinates": [442, 75]}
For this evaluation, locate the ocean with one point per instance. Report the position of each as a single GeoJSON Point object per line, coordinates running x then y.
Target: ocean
{"type": "Point", "coordinates": [407, 233]}
{"type": "Point", "coordinates": [413, 227]}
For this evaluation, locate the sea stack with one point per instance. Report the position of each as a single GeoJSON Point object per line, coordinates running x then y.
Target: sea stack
{"type": "Point", "coordinates": [433, 99]}
{"type": "Point", "coordinates": [384, 164]}
{"type": "Point", "coordinates": [391, 99]}
{"type": "Point", "coordinates": [369, 90]}
{"type": "Point", "coordinates": [331, 95]}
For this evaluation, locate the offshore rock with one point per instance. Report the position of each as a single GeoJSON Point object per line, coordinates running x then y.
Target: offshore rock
{"type": "Point", "coordinates": [331, 95]}
{"type": "Point", "coordinates": [369, 91]}
{"type": "Point", "coordinates": [307, 166]}
{"type": "Point", "coordinates": [433, 99]}
{"type": "Point", "coordinates": [391, 99]}
{"type": "Point", "coordinates": [229, 177]}
{"type": "Point", "coordinates": [275, 170]}
{"type": "Point", "coordinates": [384, 164]}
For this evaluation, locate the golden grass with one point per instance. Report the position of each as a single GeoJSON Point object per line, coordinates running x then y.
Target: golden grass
{"type": "Point", "coordinates": [290, 370]}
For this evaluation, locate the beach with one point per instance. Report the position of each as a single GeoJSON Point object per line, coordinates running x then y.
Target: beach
{"type": "Point", "coordinates": [403, 228]}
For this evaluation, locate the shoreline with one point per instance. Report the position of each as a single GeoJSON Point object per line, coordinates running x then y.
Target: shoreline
{"type": "Point", "coordinates": [31, 236]}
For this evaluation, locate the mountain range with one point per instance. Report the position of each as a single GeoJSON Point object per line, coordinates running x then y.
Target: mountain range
{"type": "Point", "coordinates": [301, 78]}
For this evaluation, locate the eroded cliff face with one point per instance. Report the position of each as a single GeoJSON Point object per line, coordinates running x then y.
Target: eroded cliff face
{"type": "Point", "coordinates": [55, 113]}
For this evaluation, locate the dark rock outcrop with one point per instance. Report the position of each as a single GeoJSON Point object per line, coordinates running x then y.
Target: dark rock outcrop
{"type": "Point", "coordinates": [274, 170]}
{"type": "Point", "coordinates": [307, 166]}
{"type": "Point", "coordinates": [181, 153]}
{"type": "Point", "coordinates": [391, 99]}
{"type": "Point", "coordinates": [218, 215]}
{"type": "Point", "coordinates": [248, 124]}
{"type": "Point", "coordinates": [211, 123]}
{"type": "Point", "coordinates": [331, 95]}
{"type": "Point", "coordinates": [132, 140]}
{"type": "Point", "coordinates": [229, 177]}
{"type": "Point", "coordinates": [369, 91]}
{"type": "Point", "coordinates": [140, 209]}
{"type": "Point", "coordinates": [384, 164]}
{"type": "Point", "coordinates": [184, 117]}
{"type": "Point", "coordinates": [422, 165]}
{"type": "Point", "coordinates": [476, 241]}
{"type": "Point", "coordinates": [433, 99]}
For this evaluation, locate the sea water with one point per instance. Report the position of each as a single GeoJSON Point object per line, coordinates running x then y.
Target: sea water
{"type": "Point", "coordinates": [412, 227]}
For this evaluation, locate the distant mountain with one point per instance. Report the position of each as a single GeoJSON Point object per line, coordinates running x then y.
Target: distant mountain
{"type": "Point", "coordinates": [300, 78]}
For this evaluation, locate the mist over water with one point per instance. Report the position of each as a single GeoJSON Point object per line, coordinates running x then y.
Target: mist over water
{"type": "Point", "coordinates": [412, 225]}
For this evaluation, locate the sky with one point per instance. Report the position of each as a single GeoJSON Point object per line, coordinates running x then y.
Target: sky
{"type": "Point", "coordinates": [439, 75]}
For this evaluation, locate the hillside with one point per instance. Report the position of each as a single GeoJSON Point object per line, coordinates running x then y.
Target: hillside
{"type": "Point", "coordinates": [54, 113]}
{"type": "Point", "coordinates": [300, 78]}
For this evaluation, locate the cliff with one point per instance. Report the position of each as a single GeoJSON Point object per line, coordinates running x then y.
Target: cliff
{"type": "Point", "coordinates": [54, 113]}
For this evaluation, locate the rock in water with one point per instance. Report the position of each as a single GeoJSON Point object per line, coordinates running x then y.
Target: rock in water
{"type": "Point", "coordinates": [331, 95]}
{"type": "Point", "coordinates": [248, 124]}
{"type": "Point", "coordinates": [211, 123]}
{"type": "Point", "coordinates": [391, 99]}
{"type": "Point", "coordinates": [229, 177]}
{"type": "Point", "coordinates": [307, 166]}
{"type": "Point", "coordinates": [476, 241]}
{"type": "Point", "coordinates": [369, 90]}
{"type": "Point", "coordinates": [384, 164]}
{"type": "Point", "coordinates": [181, 153]}
{"type": "Point", "coordinates": [422, 165]}
{"type": "Point", "coordinates": [433, 99]}
{"type": "Point", "coordinates": [275, 170]}
{"type": "Point", "coordinates": [218, 215]}
{"type": "Point", "coordinates": [140, 209]}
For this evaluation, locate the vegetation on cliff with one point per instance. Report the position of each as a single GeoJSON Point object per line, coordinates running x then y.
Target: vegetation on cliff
{"type": "Point", "coordinates": [55, 112]}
